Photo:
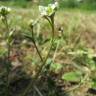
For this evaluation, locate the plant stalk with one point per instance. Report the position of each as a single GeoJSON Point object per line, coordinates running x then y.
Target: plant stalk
{"type": "Point", "coordinates": [43, 61]}
{"type": "Point", "coordinates": [7, 62]}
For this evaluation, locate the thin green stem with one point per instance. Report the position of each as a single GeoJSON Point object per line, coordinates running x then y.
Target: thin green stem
{"type": "Point", "coordinates": [43, 61]}
{"type": "Point", "coordinates": [7, 58]}
{"type": "Point", "coordinates": [52, 42]}
{"type": "Point", "coordinates": [33, 40]}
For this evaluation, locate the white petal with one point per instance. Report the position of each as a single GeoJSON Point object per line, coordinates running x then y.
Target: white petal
{"type": "Point", "coordinates": [43, 10]}
{"type": "Point", "coordinates": [56, 4]}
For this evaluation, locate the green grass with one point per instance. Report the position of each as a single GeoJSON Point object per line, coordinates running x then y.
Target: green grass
{"type": "Point", "coordinates": [67, 4]}
{"type": "Point", "coordinates": [18, 3]}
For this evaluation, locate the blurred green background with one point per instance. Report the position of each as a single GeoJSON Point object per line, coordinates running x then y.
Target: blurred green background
{"type": "Point", "coordinates": [80, 4]}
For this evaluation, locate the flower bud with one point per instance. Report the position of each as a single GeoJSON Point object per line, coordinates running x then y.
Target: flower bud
{"type": "Point", "coordinates": [31, 22]}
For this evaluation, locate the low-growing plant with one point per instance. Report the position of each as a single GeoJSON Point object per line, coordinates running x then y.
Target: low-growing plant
{"type": "Point", "coordinates": [47, 13]}
{"type": "Point", "coordinates": [83, 60]}
{"type": "Point", "coordinates": [4, 12]}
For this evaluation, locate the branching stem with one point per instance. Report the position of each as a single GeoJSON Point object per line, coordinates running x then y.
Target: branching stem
{"type": "Point", "coordinates": [32, 83]}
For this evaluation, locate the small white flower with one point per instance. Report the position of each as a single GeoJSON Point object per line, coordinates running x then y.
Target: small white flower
{"type": "Point", "coordinates": [4, 10]}
{"type": "Point", "coordinates": [56, 4]}
{"type": "Point", "coordinates": [53, 6]}
{"type": "Point", "coordinates": [9, 9]}
{"type": "Point", "coordinates": [49, 10]}
{"type": "Point", "coordinates": [43, 10]}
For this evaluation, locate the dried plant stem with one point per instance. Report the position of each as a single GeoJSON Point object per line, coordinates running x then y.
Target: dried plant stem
{"type": "Point", "coordinates": [38, 91]}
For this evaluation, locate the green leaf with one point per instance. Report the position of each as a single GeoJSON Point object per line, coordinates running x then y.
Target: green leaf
{"type": "Point", "coordinates": [92, 64]}
{"type": "Point", "coordinates": [28, 35]}
{"type": "Point", "coordinates": [9, 38]}
{"type": "Point", "coordinates": [56, 67]}
{"type": "Point", "coordinates": [94, 84]}
{"type": "Point", "coordinates": [2, 52]}
{"type": "Point", "coordinates": [72, 76]}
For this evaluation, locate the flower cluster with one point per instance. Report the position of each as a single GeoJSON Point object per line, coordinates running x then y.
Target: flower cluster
{"type": "Point", "coordinates": [4, 11]}
{"type": "Point", "coordinates": [48, 10]}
